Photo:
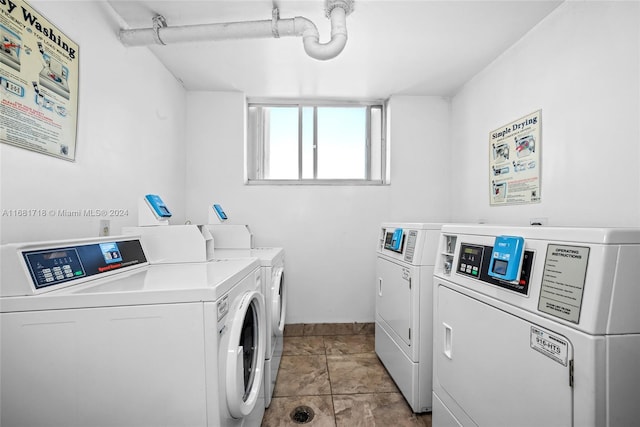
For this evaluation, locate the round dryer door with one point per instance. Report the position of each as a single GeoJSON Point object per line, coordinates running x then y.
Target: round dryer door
{"type": "Point", "coordinates": [278, 301]}
{"type": "Point", "coordinates": [245, 356]}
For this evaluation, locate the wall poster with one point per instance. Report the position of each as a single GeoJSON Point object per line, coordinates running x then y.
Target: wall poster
{"type": "Point", "coordinates": [514, 162]}
{"type": "Point", "coordinates": [39, 82]}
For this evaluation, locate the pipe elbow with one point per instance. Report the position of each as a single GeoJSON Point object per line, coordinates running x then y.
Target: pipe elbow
{"type": "Point", "coordinates": [331, 49]}
{"type": "Point", "coordinates": [305, 28]}
{"type": "Point", "coordinates": [324, 51]}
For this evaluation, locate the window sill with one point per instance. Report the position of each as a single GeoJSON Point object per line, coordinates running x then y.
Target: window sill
{"type": "Point", "coordinates": [315, 182]}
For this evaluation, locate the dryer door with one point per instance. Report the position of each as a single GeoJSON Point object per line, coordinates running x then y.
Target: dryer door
{"type": "Point", "coordinates": [497, 368]}
{"type": "Point", "coordinates": [278, 301]}
{"type": "Point", "coordinates": [393, 299]}
{"type": "Point", "coordinates": [245, 355]}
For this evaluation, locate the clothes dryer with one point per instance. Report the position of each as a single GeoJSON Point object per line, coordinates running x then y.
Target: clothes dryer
{"type": "Point", "coordinates": [404, 271]}
{"type": "Point", "coordinates": [91, 334]}
{"type": "Point", "coordinates": [274, 291]}
{"type": "Point", "coordinates": [557, 343]}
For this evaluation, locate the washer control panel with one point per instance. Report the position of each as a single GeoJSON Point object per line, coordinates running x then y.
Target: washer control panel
{"type": "Point", "coordinates": [53, 266]}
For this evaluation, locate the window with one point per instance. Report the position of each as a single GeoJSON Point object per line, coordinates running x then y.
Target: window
{"type": "Point", "coordinates": [316, 143]}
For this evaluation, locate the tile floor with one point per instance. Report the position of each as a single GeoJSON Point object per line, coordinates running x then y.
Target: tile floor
{"type": "Point", "coordinates": [333, 369]}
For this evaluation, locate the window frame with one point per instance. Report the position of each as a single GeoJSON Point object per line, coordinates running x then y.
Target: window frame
{"type": "Point", "coordinates": [256, 155]}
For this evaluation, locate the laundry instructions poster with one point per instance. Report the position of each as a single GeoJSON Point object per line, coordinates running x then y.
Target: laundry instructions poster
{"type": "Point", "coordinates": [514, 162]}
{"type": "Point", "coordinates": [39, 82]}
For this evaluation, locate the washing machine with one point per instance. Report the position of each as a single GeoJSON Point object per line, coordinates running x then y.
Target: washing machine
{"type": "Point", "coordinates": [274, 291]}
{"type": "Point", "coordinates": [92, 334]}
{"type": "Point", "coordinates": [404, 273]}
{"type": "Point", "coordinates": [536, 326]}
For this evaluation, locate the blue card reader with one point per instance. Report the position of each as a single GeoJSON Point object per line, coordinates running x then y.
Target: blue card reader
{"type": "Point", "coordinates": [157, 206]}
{"type": "Point", "coordinates": [396, 240]}
{"type": "Point", "coordinates": [218, 210]}
{"type": "Point", "coordinates": [393, 240]}
{"type": "Point", "coordinates": [506, 258]}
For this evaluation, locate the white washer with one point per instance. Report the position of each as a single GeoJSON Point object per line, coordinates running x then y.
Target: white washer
{"type": "Point", "coordinates": [404, 271]}
{"type": "Point", "coordinates": [560, 345]}
{"type": "Point", "coordinates": [93, 335]}
{"type": "Point", "coordinates": [274, 291]}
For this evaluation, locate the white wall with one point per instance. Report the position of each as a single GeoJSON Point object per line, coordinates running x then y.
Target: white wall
{"type": "Point", "coordinates": [581, 66]}
{"type": "Point", "coordinates": [329, 233]}
{"type": "Point", "coordinates": [129, 142]}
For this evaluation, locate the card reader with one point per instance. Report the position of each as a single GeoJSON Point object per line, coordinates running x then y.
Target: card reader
{"type": "Point", "coordinates": [158, 207]}
{"type": "Point", "coordinates": [506, 258]}
{"type": "Point", "coordinates": [393, 240]}
{"type": "Point", "coordinates": [218, 210]}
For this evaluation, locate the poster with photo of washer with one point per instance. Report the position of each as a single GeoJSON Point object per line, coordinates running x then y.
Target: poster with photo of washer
{"type": "Point", "coordinates": [514, 161]}
{"type": "Point", "coordinates": [39, 68]}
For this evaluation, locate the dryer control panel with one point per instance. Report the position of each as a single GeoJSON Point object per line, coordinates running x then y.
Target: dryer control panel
{"type": "Point", "coordinates": [409, 242]}
{"type": "Point", "coordinates": [402, 242]}
{"type": "Point", "coordinates": [475, 261]}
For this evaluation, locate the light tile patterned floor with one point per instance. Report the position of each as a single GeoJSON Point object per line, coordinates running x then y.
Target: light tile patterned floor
{"type": "Point", "coordinates": [333, 369]}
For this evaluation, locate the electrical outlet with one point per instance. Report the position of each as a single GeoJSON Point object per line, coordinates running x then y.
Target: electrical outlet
{"type": "Point", "coordinates": [538, 221]}
{"type": "Point", "coordinates": [105, 227]}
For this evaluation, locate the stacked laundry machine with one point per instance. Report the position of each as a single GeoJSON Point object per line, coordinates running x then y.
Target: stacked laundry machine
{"type": "Point", "coordinates": [536, 326]}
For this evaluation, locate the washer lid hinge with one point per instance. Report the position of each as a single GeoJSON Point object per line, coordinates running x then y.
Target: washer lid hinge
{"type": "Point", "coordinates": [570, 373]}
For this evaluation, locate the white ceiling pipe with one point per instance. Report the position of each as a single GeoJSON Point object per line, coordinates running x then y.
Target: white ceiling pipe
{"type": "Point", "coordinates": [333, 47]}
{"type": "Point", "coordinates": [298, 26]}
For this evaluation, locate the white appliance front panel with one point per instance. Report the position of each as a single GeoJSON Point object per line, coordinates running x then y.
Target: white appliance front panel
{"type": "Point", "coordinates": [75, 367]}
{"type": "Point", "coordinates": [394, 302]}
{"type": "Point", "coordinates": [485, 362]}
{"type": "Point", "coordinates": [401, 368]}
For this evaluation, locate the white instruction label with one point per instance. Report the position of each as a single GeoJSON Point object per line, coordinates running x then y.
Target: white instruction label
{"type": "Point", "coordinates": [411, 246]}
{"type": "Point", "coordinates": [551, 345]}
{"type": "Point", "coordinates": [565, 270]}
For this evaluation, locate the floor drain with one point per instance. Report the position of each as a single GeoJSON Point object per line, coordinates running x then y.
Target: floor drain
{"type": "Point", "coordinates": [302, 415]}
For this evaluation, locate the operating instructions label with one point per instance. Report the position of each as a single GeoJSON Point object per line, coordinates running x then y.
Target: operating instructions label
{"type": "Point", "coordinates": [565, 270]}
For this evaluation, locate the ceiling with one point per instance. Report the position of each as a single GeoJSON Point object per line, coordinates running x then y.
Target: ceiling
{"type": "Point", "coordinates": [413, 47]}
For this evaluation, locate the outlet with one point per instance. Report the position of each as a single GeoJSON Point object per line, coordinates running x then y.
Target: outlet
{"type": "Point", "coordinates": [538, 221]}
{"type": "Point", "coordinates": [105, 227]}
